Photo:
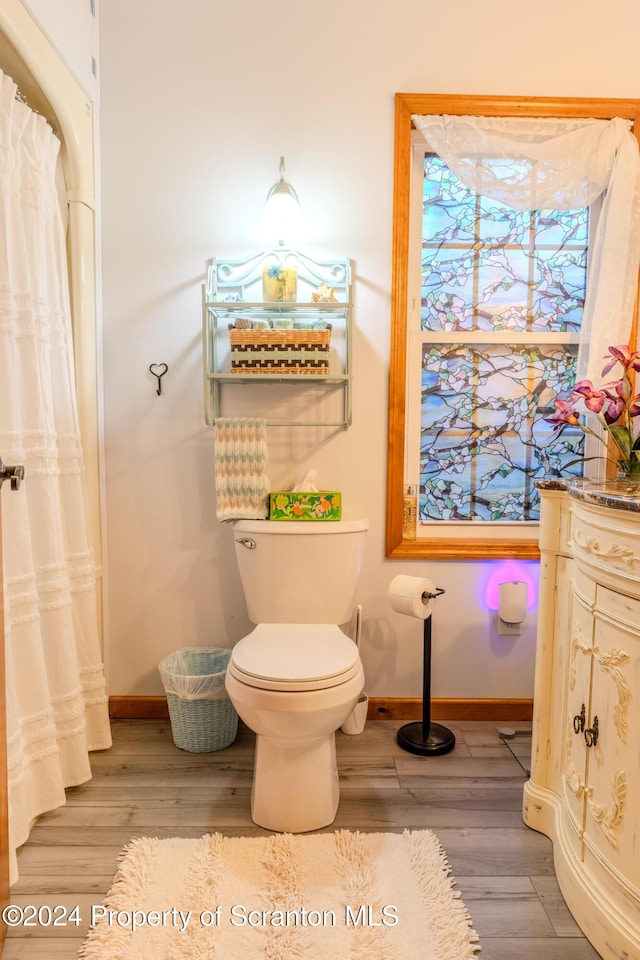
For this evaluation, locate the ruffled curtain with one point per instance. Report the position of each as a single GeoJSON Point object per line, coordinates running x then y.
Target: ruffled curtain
{"type": "Point", "coordinates": [56, 691]}
{"type": "Point", "coordinates": [562, 165]}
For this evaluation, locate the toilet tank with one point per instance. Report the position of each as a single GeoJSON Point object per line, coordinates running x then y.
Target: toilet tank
{"type": "Point", "coordinates": [299, 571]}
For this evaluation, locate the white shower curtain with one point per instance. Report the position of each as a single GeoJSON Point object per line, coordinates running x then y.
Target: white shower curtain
{"type": "Point", "coordinates": [56, 690]}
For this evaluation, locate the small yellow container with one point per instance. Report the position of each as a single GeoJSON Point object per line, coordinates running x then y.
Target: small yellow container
{"type": "Point", "coordinates": [279, 284]}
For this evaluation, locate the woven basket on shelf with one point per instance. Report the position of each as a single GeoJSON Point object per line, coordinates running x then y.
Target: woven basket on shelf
{"type": "Point", "coordinates": [280, 351]}
{"type": "Point", "coordinates": [202, 725]}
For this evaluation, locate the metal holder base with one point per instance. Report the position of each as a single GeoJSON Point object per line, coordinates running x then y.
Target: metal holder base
{"type": "Point", "coordinates": [425, 738]}
{"type": "Point", "coordinates": [438, 739]}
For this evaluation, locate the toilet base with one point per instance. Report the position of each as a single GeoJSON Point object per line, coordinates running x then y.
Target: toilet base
{"type": "Point", "coordinates": [295, 785]}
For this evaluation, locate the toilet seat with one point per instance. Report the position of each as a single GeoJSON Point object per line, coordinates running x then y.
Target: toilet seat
{"type": "Point", "coordinates": [294, 657]}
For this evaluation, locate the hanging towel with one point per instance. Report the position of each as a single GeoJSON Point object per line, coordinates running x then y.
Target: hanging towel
{"type": "Point", "coordinates": [242, 484]}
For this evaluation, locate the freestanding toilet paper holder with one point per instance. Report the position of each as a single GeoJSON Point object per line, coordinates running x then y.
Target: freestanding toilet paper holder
{"type": "Point", "coordinates": [425, 738]}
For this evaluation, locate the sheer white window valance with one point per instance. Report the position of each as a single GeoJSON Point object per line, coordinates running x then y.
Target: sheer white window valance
{"type": "Point", "coordinates": [563, 165]}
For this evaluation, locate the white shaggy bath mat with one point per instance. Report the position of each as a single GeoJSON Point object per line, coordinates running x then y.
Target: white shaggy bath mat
{"type": "Point", "coordinates": [331, 896]}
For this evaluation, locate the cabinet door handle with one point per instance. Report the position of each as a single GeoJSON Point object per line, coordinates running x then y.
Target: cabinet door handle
{"type": "Point", "coordinates": [579, 721]}
{"type": "Point", "coordinates": [591, 734]}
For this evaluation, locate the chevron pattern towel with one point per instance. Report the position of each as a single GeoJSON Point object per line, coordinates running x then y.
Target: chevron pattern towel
{"type": "Point", "coordinates": [242, 483]}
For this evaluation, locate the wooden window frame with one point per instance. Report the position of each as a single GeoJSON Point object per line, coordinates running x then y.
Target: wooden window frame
{"type": "Point", "coordinates": [406, 105]}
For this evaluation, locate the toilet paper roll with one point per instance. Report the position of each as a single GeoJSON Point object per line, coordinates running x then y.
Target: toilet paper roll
{"type": "Point", "coordinates": [406, 596]}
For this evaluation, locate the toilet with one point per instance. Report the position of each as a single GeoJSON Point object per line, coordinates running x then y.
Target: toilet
{"type": "Point", "coordinates": [297, 676]}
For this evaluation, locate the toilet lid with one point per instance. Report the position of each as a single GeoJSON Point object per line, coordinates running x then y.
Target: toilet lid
{"type": "Point", "coordinates": [302, 656]}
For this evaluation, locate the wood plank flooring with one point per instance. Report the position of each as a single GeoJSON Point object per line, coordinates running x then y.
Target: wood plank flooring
{"type": "Point", "coordinates": [471, 798]}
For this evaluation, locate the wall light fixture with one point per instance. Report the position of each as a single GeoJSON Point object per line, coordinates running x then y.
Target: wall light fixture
{"type": "Point", "coordinates": [282, 214]}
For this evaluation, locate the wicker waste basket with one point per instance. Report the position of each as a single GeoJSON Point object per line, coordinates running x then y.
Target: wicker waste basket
{"type": "Point", "coordinates": [203, 719]}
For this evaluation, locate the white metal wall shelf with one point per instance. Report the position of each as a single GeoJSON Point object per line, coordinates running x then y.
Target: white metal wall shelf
{"type": "Point", "coordinates": [234, 288]}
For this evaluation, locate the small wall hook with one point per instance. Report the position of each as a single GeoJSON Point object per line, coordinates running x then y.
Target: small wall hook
{"type": "Point", "coordinates": [158, 370]}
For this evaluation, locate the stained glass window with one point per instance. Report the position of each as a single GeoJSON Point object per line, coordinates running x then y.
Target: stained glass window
{"type": "Point", "coordinates": [502, 294]}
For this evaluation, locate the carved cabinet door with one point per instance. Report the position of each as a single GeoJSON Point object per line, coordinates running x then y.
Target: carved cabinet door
{"type": "Point", "coordinates": [558, 678]}
{"type": "Point", "coordinates": [613, 776]}
{"type": "Point", "coordinates": [578, 705]}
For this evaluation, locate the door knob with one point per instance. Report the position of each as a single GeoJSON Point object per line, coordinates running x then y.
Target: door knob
{"type": "Point", "coordinates": [14, 474]}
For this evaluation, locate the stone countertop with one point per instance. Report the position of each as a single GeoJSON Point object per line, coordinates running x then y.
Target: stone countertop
{"type": "Point", "coordinates": [618, 494]}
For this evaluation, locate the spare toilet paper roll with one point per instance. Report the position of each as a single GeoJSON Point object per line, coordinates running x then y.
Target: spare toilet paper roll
{"type": "Point", "coordinates": [405, 594]}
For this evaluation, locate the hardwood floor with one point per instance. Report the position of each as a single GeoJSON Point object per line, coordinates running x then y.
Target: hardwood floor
{"type": "Point", "coordinates": [470, 798]}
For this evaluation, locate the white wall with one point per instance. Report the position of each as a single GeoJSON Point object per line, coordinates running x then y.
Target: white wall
{"type": "Point", "coordinates": [71, 26]}
{"type": "Point", "coordinates": [199, 100]}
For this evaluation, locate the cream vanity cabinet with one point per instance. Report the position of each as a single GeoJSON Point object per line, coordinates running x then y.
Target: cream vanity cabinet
{"type": "Point", "coordinates": [584, 790]}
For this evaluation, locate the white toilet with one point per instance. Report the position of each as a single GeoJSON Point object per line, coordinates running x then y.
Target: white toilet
{"type": "Point", "coordinates": [296, 677]}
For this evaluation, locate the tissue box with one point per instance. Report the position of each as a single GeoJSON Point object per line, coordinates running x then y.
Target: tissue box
{"type": "Point", "coordinates": [291, 505]}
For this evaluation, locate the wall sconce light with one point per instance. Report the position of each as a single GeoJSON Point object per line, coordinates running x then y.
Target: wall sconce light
{"type": "Point", "coordinates": [512, 605]}
{"type": "Point", "coordinates": [282, 214]}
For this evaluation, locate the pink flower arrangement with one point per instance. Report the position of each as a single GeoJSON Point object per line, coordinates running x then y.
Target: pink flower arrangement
{"type": "Point", "coordinates": [615, 406]}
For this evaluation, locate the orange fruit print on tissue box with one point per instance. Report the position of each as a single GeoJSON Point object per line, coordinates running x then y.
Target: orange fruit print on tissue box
{"type": "Point", "coordinates": [291, 505]}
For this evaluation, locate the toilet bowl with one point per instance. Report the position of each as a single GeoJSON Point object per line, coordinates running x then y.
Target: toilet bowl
{"type": "Point", "coordinates": [294, 695]}
{"type": "Point", "coordinates": [297, 676]}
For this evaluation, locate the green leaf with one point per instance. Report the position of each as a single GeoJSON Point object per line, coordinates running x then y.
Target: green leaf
{"type": "Point", "coordinates": [572, 463]}
{"type": "Point", "coordinates": [622, 439]}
